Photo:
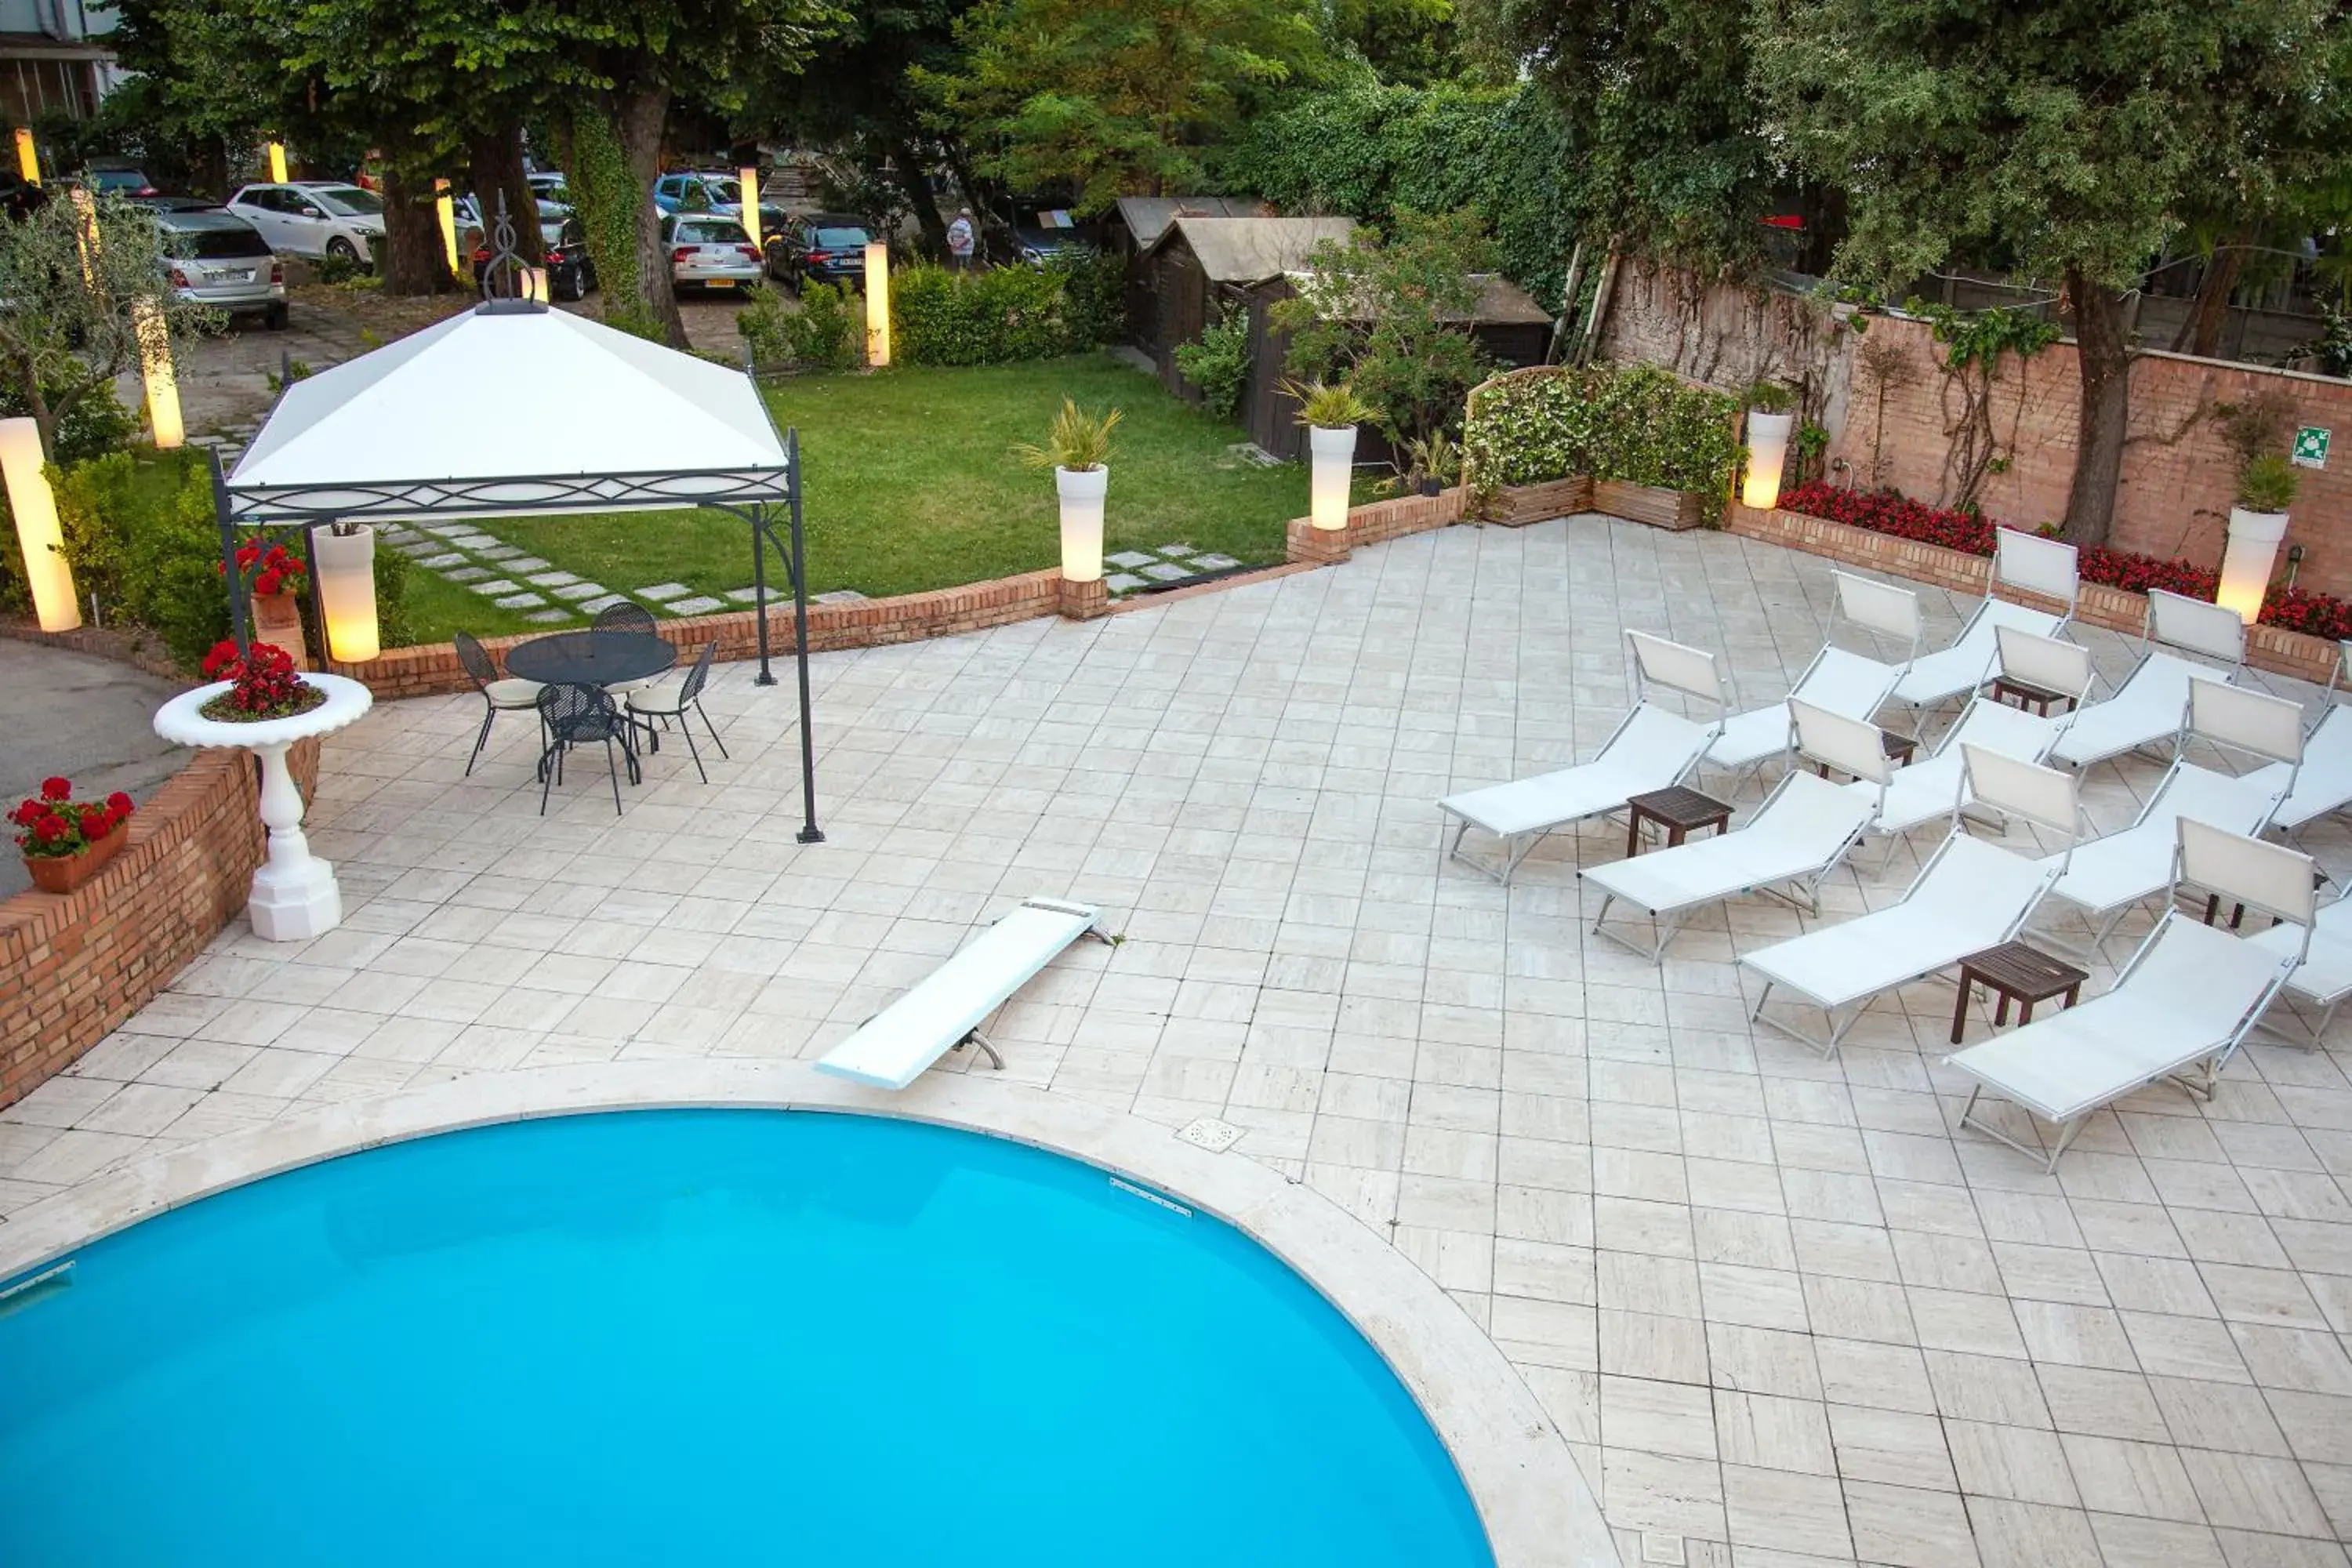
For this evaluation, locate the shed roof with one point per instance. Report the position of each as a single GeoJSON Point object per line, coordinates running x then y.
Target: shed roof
{"type": "Point", "coordinates": [1251, 249]}
{"type": "Point", "coordinates": [1501, 302]}
{"type": "Point", "coordinates": [1147, 218]}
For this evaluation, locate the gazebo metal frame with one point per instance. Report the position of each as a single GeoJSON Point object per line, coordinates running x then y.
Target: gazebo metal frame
{"type": "Point", "coordinates": [750, 494]}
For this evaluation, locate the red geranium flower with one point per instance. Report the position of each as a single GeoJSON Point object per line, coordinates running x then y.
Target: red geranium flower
{"type": "Point", "coordinates": [268, 582]}
{"type": "Point", "coordinates": [118, 802]}
{"type": "Point", "coordinates": [49, 829]}
{"type": "Point", "coordinates": [54, 789]}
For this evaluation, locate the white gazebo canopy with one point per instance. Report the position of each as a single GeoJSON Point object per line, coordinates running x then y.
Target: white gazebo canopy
{"type": "Point", "coordinates": [511, 410]}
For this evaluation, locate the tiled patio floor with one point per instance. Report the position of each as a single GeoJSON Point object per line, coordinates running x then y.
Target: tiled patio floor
{"type": "Point", "coordinates": [1777, 1306]}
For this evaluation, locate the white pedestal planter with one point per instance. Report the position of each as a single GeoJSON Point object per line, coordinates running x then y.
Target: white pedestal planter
{"type": "Point", "coordinates": [1334, 452]}
{"type": "Point", "coordinates": [1768, 455]}
{"type": "Point", "coordinates": [294, 893]}
{"type": "Point", "coordinates": [1082, 492]}
{"type": "Point", "coordinates": [2246, 564]}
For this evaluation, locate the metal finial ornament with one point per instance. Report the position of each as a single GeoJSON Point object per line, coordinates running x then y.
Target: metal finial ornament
{"type": "Point", "coordinates": [504, 278]}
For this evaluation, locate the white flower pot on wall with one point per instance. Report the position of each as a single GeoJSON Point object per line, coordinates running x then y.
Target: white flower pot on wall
{"type": "Point", "coordinates": [1082, 492]}
{"type": "Point", "coordinates": [1768, 454]}
{"type": "Point", "coordinates": [2246, 564]}
{"type": "Point", "coordinates": [1334, 465]}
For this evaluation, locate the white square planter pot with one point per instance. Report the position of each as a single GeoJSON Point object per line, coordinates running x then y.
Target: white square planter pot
{"type": "Point", "coordinates": [1082, 492]}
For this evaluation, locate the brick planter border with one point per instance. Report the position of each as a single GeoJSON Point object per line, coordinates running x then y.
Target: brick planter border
{"type": "Point", "coordinates": [74, 966]}
{"type": "Point", "coordinates": [2272, 648]}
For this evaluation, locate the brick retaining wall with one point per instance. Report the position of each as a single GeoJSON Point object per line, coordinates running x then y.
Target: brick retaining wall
{"type": "Point", "coordinates": [2274, 649]}
{"type": "Point", "coordinates": [74, 966]}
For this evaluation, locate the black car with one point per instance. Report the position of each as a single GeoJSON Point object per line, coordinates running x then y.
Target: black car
{"type": "Point", "coordinates": [826, 248]}
{"type": "Point", "coordinates": [570, 273]}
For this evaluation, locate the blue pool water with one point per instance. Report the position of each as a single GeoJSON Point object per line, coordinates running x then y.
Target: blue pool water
{"type": "Point", "coordinates": [707, 1338]}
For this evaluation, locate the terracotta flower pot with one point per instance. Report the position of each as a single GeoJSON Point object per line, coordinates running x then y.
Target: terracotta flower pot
{"type": "Point", "coordinates": [64, 873]}
{"type": "Point", "coordinates": [277, 621]}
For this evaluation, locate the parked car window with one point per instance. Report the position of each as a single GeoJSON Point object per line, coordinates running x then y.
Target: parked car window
{"type": "Point", "coordinates": [267, 198]}
{"type": "Point", "coordinates": [837, 239]}
{"type": "Point", "coordinates": [208, 244]}
{"type": "Point", "coordinates": [347, 201]}
{"type": "Point", "coordinates": [710, 233]}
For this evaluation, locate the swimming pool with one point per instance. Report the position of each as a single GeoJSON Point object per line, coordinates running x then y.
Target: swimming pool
{"type": "Point", "coordinates": [706, 1337]}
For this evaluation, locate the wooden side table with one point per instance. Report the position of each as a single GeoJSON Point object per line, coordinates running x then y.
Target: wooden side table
{"type": "Point", "coordinates": [2040, 698]}
{"type": "Point", "coordinates": [2015, 972]}
{"type": "Point", "coordinates": [1899, 749]}
{"type": "Point", "coordinates": [1679, 811]}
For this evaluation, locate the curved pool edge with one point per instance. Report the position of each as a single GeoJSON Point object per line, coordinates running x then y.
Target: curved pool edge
{"type": "Point", "coordinates": [1531, 1499]}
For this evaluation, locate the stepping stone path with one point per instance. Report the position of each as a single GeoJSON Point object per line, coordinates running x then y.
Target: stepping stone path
{"type": "Point", "coordinates": [698, 605]}
{"type": "Point", "coordinates": [661, 591]}
{"type": "Point", "coordinates": [1168, 567]}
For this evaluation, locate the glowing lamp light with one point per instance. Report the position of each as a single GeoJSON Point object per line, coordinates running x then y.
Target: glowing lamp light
{"type": "Point", "coordinates": [346, 563]}
{"type": "Point", "coordinates": [534, 285]}
{"type": "Point", "coordinates": [447, 211]}
{"type": "Point", "coordinates": [1334, 464]}
{"type": "Point", "coordinates": [28, 157]}
{"type": "Point", "coordinates": [85, 207]}
{"type": "Point", "coordinates": [155, 364]}
{"type": "Point", "coordinates": [278, 162]}
{"type": "Point", "coordinates": [2246, 564]}
{"type": "Point", "coordinates": [37, 531]}
{"type": "Point", "coordinates": [1082, 492]}
{"type": "Point", "coordinates": [749, 178]}
{"type": "Point", "coordinates": [878, 303]}
{"type": "Point", "coordinates": [1768, 454]}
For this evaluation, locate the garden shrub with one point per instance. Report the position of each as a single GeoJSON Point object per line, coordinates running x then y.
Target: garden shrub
{"type": "Point", "coordinates": [829, 332]}
{"type": "Point", "coordinates": [1001, 315]}
{"type": "Point", "coordinates": [1636, 423]}
{"type": "Point", "coordinates": [1898, 516]}
{"type": "Point", "coordinates": [140, 533]}
{"type": "Point", "coordinates": [95, 424]}
{"type": "Point", "coordinates": [1219, 365]}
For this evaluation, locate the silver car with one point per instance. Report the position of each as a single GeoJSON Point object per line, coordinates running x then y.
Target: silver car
{"type": "Point", "coordinates": [707, 250]}
{"type": "Point", "coordinates": [217, 258]}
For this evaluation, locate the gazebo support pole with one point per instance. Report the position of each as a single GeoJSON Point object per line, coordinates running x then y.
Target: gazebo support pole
{"type": "Point", "coordinates": [760, 534]}
{"type": "Point", "coordinates": [809, 832]}
{"type": "Point", "coordinates": [229, 579]}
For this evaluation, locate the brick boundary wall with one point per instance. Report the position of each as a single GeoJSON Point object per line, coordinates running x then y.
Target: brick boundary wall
{"type": "Point", "coordinates": [73, 967]}
{"type": "Point", "coordinates": [2272, 648]}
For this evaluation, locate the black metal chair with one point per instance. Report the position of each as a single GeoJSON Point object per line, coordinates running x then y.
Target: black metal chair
{"type": "Point", "coordinates": [671, 697]}
{"type": "Point", "coordinates": [582, 715]}
{"type": "Point", "coordinates": [628, 615]}
{"type": "Point", "coordinates": [501, 695]}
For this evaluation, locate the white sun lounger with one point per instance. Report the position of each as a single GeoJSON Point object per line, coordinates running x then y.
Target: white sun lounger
{"type": "Point", "coordinates": [1837, 681]}
{"type": "Point", "coordinates": [2324, 785]}
{"type": "Point", "coordinates": [1970, 895]}
{"type": "Point", "coordinates": [2022, 563]}
{"type": "Point", "coordinates": [2147, 706]}
{"type": "Point", "coordinates": [2179, 1010]}
{"type": "Point", "coordinates": [1803, 830]}
{"type": "Point", "coordinates": [2108, 876]}
{"type": "Point", "coordinates": [2324, 979]}
{"type": "Point", "coordinates": [1653, 748]}
{"type": "Point", "coordinates": [1929, 789]}
{"type": "Point", "coordinates": [947, 1008]}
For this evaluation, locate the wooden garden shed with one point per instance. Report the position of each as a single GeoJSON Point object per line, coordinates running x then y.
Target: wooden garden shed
{"type": "Point", "coordinates": [1199, 266]}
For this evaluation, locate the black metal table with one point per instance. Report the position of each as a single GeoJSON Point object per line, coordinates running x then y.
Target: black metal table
{"type": "Point", "coordinates": [590, 657]}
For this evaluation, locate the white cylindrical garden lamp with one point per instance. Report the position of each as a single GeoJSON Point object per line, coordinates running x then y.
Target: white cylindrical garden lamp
{"type": "Point", "coordinates": [1333, 467]}
{"type": "Point", "coordinates": [878, 303]}
{"type": "Point", "coordinates": [1768, 455]}
{"type": "Point", "coordinates": [28, 157]}
{"type": "Point", "coordinates": [35, 508]}
{"type": "Point", "coordinates": [155, 366]}
{"type": "Point", "coordinates": [278, 162]}
{"type": "Point", "coordinates": [2246, 564]}
{"type": "Point", "coordinates": [747, 180]}
{"type": "Point", "coordinates": [346, 562]}
{"type": "Point", "coordinates": [1082, 492]}
{"type": "Point", "coordinates": [446, 211]}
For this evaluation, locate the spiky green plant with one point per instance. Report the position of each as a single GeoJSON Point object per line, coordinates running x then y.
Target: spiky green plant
{"type": "Point", "coordinates": [1079, 441]}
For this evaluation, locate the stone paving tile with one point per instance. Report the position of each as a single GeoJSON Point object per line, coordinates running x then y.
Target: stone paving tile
{"type": "Point", "coordinates": [1213, 562]}
{"type": "Point", "coordinates": [1779, 1306]}
{"type": "Point", "coordinates": [497, 586]}
{"type": "Point", "coordinates": [603, 602]}
{"type": "Point", "coordinates": [699, 606]}
{"type": "Point", "coordinates": [547, 579]}
{"type": "Point", "coordinates": [466, 573]}
{"type": "Point", "coordinates": [547, 618]}
{"type": "Point", "coordinates": [585, 591]}
{"type": "Point", "coordinates": [832, 596]}
{"type": "Point", "coordinates": [522, 563]}
{"type": "Point", "coordinates": [661, 591]}
{"type": "Point", "coordinates": [446, 558]}
{"type": "Point", "coordinates": [1167, 571]}
{"type": "Point", "coordinates": [522, 602]}
{"type": "Point", "coordinates": [1123, 581]}
{"type": "Point", "coordinates": [1129, 558]}
{"type": "Point", "coordinates": [744, 596]}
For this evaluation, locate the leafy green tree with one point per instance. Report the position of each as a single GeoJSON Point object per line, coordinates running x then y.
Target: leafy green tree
{"type": "Point", "coordinates": [1115, 97]}
{"type": "Point", "coordinates": [1672, 158]}
{"type": "Point", "coordinates": [69, 325]}
{"type": "Point", "coordinates": [2063, 138]}
{"type": "Point", "coordinates": [1391, 315]}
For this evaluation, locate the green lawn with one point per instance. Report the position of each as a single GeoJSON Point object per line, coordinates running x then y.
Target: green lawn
{"type": "Point", "coordinates": [910, 484]}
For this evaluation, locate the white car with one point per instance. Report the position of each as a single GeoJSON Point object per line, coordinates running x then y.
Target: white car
{"type": "Point", "coordinates": [316, 217]}
{"type": "Point", "coordinates": [707, 250]}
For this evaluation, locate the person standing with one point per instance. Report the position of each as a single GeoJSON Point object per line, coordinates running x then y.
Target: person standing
{"type": "Point", "coordinates": [962, 240]}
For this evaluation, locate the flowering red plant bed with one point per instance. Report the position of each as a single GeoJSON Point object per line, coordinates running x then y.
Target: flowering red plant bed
{"type": "Point", "coordinates": [269, 571]}
{"type": "Point", "coordinates": [1884, 512]}
{"type": "Point", "coordinates": [52, 825]}
{"type": "Point", "coordinates": [265, 684]}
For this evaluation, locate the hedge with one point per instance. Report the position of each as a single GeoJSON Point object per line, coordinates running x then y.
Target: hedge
{"type": "Point", "coordinates": [1004, 313]}
{"type": "Point", "coordinates": [1633, 424]}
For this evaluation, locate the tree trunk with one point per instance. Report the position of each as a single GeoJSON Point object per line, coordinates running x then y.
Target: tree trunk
{"type": "Point", "coordinates": [2104, 418]}
{"type": "Point", "coordinates": [413, 262]}
{"type": "Point", "coordinates": [915, 179]}
{"type": "Point", "coordinates": [2200, 333]}
{"type": "Point", "coordinates": [643, 114]}
{"type": "Point", "coordinates": [494, 168]}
